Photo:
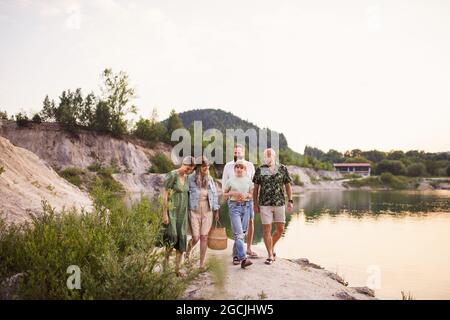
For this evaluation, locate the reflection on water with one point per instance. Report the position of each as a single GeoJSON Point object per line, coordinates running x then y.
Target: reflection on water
{"type": "Point", "coordinates": [400, 238]}
{"type": "Point", "coordinates": [397, 240]}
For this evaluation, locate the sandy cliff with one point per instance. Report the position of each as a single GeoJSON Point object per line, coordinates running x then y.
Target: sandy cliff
{"type": "Point", "coordinates": [27, 180]}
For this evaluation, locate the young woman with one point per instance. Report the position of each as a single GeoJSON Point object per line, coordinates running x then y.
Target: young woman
{"type": "Point", "coordinates": [175, 211]}
{"type": "Point", "coordinates": [239, 189]}
{"type": "Point", "coordinates": [203, 201]}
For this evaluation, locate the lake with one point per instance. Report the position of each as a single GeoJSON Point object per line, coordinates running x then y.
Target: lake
{"type": "Point", "coordinates": [392, 241]}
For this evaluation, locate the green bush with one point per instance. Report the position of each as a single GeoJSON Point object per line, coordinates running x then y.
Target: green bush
{"type": "Point", "coordinates": [106, 181]}
{"type": "Point", "coordinates": [395, 182]}
{"type": "Point", "coordinates": [22, 119]}
{"type": "Point", "coordinates": [297, 181]}
{"type": "Point", "coordinates": [36, 118]}
{"type": "Point", "coordinates": [352, 176]}
{"type": "Point", "coordinates": [395, 167]}
{"type": "Point", "coordinates": [150, 130]}
{"type": "Point", "coordinates": [416, 170]}
{"type": "Point", "coordinates": [372, 182]}
{"type": "Point", "coordinates": [95, 167]}
{"type": "Point", "coordinates": [3, 115]}
{"type": "Point", "coordinates": [114, 248]}
{"type": "Point", "coordinates": [160, 164]}
{"type": "Point", "coordinates": [73, 175]}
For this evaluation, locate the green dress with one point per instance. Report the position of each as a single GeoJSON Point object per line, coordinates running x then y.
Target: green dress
{"type": "Point", "coordinates": [175, 233]}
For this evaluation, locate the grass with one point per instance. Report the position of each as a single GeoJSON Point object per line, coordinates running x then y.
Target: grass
{"type": "Point", "coordinates": [217, 269]}
{"type": "Point", "coordinates": [115, 248]}
{"type": "Point", "coordinates": [72, 174]}
{"type": "Point", "coordinates": [352, 176]}
{"type": "Point", "coordinates": [262, 295]}
{"type": "Point", "coordinates": [407, 296]}
{"type": "Point", "coordinates": [160, 164]}
{"type": "Point", "coordinates": [297, 181]}
{"type": "Point", "coordinates": [386, 180]}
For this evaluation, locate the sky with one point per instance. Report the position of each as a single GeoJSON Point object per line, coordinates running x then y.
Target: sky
{"type": "Point", "coordinates": [348, 74]}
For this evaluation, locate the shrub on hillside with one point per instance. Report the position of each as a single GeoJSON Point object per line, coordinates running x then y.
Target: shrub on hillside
{"type": "Point", "coordinates": [115, 250]}
{"type": "Point", "coordinates": [296, 180]}
{"type": "Point", "coordinates": [22, 119]}
{"type": "Point", "coordinates": [160, 164]}
{"type": "Point", "coordinates": [395, 167]}
{"type": "Point", "coordinates": [416, 170]}
{"type": "Point", "coordinates": [3, 115]}
{"type": "Point", "coordinates": [72, 174]}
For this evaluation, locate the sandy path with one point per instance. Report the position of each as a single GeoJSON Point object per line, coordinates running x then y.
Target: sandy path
{"type": "Point", "coordinates": [283, 279]}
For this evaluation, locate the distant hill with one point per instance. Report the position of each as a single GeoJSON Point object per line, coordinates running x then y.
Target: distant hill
{"type": "Point", "coordinates": [222, 120]}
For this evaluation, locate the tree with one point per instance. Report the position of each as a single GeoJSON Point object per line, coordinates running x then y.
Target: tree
{"type": "Point", "coordinates": [356, 160]}
{"type": "Point", "coordinates": [22, 119]}
{"type": "Point", "coordinates": [36, 118]}
{"type": "Point", "coordinates": [150, 130]}
{"type": "Point", "coordinates": [69, 109]}
{"type": "Point", "coordinates": [102, 118]}
{"type": "Point", "coordinates": [48, 112]}
{"type": "Point", "coordinates": [88, 108]}
{"type": "Point", "coordinates": [417, 169]}
{"type": "Point", "coordinates": [333, 156]}
{"type": "Point", "coordinates": [396, 155]}
{"type": "Point", "coordinates": [393, 166]}
{"type": "Point", "coordinates": [117, 95]}
{"type": "Point", "coordinates": [313, 152]}
{"type": "Point", "coordinates": [374, 155]}
{"type": "Point", "coordinates": [173, 123]}
{"type": "Point", "coordinates": [3, 115]}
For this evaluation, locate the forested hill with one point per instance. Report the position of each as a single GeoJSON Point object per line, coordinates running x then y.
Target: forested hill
{"type": "Point", "coordinates": [221, 120]}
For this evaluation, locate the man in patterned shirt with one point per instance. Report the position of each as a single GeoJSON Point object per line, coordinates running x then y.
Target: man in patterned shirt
{"type": "Point", "coordinates": [270, 181]}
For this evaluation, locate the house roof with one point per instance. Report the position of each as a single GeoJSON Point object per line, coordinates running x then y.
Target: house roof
{"type": "Point", "coordinates": [352, 164]}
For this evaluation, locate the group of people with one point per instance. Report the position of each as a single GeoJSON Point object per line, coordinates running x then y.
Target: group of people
{"type": "Point", "coordinates": [191, 204]}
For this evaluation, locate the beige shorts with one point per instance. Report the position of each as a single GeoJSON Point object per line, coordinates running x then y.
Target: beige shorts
{"type": "Point", "coordinates": [201, 220]}
{"type": "Point", "coordinates": [271, 214]}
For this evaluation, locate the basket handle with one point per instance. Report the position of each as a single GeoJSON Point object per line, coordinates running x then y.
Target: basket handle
{"type": "Point", "coordinates": [218, 222]}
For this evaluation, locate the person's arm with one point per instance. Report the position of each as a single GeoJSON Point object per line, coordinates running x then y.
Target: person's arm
{"type": "Point", "coordinates": [289, 194]}
{"type": "Point", "coordinates": [165, 216]}
{"type": "Point", "coordinates": [255, 198]}
{"type": "Point", "coordinates": [225, 177]}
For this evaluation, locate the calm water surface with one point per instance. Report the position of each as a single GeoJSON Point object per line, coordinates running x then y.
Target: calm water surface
{"type": "Point", "coordinates": [393, 241]}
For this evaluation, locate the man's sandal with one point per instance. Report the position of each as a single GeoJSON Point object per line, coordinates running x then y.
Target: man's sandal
{"type": "Point", "coordinates": [252, 254]}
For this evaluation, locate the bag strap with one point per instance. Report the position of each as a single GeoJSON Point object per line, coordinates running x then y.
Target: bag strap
{"type": "Point", "coordinates": [218, 222]}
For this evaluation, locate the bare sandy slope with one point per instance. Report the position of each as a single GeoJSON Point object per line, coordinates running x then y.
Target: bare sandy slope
{"type": "Point", "coordinates": [28, 180]}
{"type": "Point", "coordinates": [284, 279]}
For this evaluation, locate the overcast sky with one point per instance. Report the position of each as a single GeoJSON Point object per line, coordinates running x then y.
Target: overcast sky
{"type": "Point", "coordinates": [343, 74]}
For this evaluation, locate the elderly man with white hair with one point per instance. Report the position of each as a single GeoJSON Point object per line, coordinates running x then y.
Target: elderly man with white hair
{"type": "Point", "coordinates": [270, 181]}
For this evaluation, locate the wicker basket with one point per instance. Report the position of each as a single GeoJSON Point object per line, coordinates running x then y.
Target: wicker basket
{"type": "Point", "coordinates": [217, 238]}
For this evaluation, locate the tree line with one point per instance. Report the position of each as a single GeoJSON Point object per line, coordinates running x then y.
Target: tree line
{"type": "Point", "coordinates": [413, 163]}
{"type": "Point", "coordinates": [108, 112]}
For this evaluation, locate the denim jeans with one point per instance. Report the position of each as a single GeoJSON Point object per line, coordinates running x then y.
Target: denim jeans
{"type": "Point", "coordinates": [239, 216]}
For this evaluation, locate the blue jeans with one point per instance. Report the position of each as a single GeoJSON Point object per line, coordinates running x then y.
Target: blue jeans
{"type": "Point", "coordinates": [239, 216]}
